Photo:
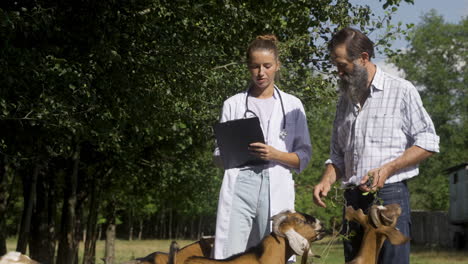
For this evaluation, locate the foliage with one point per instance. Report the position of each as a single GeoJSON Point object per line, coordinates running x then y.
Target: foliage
{"type": "Point", "coordinates": [436, 63]}
{"type": "Point", "coordinates": [136, 85]}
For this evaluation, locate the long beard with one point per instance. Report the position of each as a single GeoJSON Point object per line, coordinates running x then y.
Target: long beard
{"type": "Point", "coordinates": [354, 84]}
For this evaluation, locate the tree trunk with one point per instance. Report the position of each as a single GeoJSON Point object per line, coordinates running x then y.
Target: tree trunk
{"type": "Point", "coordinates": [4, 195]}
{"type": "Point", "coordinates": [78, 226]}
{"type": "Point", "coordinates": [99, 236]}
{"type": "Point", "coordinates": [169, 225]}
{"type": "Point", "coordinates": [130, 223]}
{"type": "Point", "coordinates": [162, 225]}
{"type": "Point", "coordinates": [109, 252]}
{"type": "Point", "coordinates": [140, 232]}
{"type": "Point", "coordinates": [130, 234]}
{"type": "Point", "coordinates": [177, 226]}
{"type": "Point", "coordinates": [89, 256]}
{"type": "Point", "coordinates": [110, 244]}
{"type": "Point", "coordinates": [51, 234]}
{"type": "Point", "coordinates": [39, 245]}
{"type": "Point", "coordinates": [192, 232]}
{"type": "Point", "coordinates": [29, 194]}
{"type": "Point", "coordinates": [200, 225]}
{"type": "Point", "coordinates": [67, 250]}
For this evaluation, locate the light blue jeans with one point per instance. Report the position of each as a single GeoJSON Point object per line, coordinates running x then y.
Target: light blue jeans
{"type": "Point", "coordinates": [249, 220]}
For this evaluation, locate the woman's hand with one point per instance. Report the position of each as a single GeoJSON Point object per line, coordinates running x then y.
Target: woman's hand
{"type": "Point", "coordinates": [266, 152]}
{"type": "Point", "coordinates": [263, 151]}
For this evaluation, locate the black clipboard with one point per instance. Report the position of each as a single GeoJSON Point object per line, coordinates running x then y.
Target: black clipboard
{"type": "Point", "coordinates": [233, 139]}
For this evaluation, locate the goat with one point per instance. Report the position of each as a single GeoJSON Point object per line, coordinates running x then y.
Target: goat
{"type": "Point", "coordinates": [202, 247]}
{"type": "Point", "coordinates": [292, 234]}
{"type": "Point", "coordinates": [16, 258]}
{"type": "Point", "coordinates": [378, 226]}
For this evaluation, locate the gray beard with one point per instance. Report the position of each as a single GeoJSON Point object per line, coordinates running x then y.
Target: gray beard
{"type": "Point", "coordinates": [354, 84]}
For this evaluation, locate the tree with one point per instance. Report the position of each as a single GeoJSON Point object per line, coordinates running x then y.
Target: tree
{"type": "Point", "coordinates": [115, 98]}
{"type": "Point", "coordinates": [436, 63]}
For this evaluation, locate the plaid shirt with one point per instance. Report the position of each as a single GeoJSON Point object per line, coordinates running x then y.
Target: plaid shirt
{"type": "Point", "coordinates": [392, 119]}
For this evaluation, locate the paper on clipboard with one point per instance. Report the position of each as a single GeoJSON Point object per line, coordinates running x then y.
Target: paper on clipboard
{"type": "Point", "coordinates": [233, 139]}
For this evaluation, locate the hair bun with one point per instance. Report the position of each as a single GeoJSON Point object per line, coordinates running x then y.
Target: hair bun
{"type": "Point", "coordinates": [269, 37]}
{"type": "Point", "coordinates": [264, 42]}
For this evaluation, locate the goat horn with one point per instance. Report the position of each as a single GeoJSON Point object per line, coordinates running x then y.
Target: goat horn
{"type": "Point", "coordinates": [374, 216]}
{"type": "Point", "coordinates": [277, 220]}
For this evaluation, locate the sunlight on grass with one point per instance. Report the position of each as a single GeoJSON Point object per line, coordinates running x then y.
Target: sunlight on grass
{"type": "Point", "coordinates": [330, 250]}
{"type": "Point", "coordinates": [127, 250]}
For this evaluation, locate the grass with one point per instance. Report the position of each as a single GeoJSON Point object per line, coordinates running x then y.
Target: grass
{"type": "Point", "coordinates": [419, 255]}
{"type": "Point", "coordinates": [331, 253]}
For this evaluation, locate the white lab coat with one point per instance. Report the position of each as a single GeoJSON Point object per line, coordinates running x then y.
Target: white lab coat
{"type": "Point", "coordinates": [281, 181]}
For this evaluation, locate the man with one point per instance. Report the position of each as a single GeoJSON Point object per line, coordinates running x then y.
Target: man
{"type": "Point", "coordinates": [380, 134]}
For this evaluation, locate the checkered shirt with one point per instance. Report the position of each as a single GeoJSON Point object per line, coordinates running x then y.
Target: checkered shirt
{"type": "Point", "coordinates": [392, 119]}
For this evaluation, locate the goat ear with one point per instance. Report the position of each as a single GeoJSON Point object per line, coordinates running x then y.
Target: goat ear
{"type": "Point", "coordinates": [355, 215]}
{"type": "Point", "coordinates": [393, 235]}
{"type": "Point", "coordinates": [390, 216]}
{"type": "Point", "coordinates": [297, 242]}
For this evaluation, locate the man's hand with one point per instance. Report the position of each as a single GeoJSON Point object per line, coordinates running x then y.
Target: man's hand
{"type": "Point", "coordinates": [375, 178]}
{"type": "Point", "coordinates": [321, 190]}
{"type": "Point", "coordinates": [411, 156]}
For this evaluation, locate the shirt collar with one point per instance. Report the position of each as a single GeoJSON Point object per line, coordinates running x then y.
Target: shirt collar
{"type": "Point", "coordinates": [378, 80]}
{"type": "Point", "coordinates": [275, 91]}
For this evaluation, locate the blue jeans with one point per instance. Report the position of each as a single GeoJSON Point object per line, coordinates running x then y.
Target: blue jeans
{"type": "Point", "coordinates": [389, 194]}
{"type": "Point", "coordinates": [249, 220]}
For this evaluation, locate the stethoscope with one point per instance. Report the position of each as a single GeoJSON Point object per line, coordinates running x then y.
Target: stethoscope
{"type": "Point", "coordinates": [283, 133]}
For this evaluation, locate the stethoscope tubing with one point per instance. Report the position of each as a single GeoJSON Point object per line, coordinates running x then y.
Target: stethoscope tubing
{"type": "Point", "coordinates": [247, 110]}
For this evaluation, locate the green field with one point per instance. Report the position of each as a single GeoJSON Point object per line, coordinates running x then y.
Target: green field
{"type": "Point", "coordinates": [331, 253]}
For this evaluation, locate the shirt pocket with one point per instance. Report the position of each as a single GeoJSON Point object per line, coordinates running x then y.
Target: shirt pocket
{"type": "Point", "coordinates": [385, 130]}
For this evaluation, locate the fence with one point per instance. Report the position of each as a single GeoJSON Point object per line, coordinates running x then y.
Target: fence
{"type": "Point", "coordinates": [433, 228]}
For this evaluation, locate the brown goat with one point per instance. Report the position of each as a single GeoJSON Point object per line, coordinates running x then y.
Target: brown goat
{"type": "Point", "coordinates": [201, 248]}
{"type": "Point", "coordinates": [292, 234]}
{"type": "Point", "coordinates": [378, 226]}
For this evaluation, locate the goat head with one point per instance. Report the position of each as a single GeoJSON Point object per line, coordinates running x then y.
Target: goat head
{"type": "Point", "coordinates": [382, 219]}
{"type": "Point", "coordinates": [299, 229]}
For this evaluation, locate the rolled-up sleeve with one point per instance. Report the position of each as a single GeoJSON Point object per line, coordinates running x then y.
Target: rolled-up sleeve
{"type": "Point", "coordinates": [417, 122]}
{"type": "Point", "coordinates": [302, 145]}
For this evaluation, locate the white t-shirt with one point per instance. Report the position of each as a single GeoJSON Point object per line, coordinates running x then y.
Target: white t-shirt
{"type": "Point", "coordinates": [263, 109]}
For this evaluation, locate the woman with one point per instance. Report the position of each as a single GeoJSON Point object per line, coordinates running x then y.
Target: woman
{"type": "Point", "coordinates": [251, 194]}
